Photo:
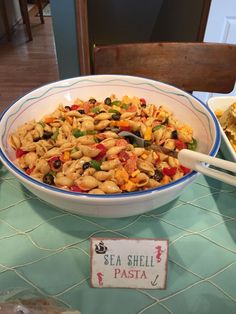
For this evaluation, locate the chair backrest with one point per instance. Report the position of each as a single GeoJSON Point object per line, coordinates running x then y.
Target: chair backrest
{"type": "Point", "coordinates": [207, 67]}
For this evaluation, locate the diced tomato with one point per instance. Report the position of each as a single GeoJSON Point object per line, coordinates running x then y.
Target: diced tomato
{"type": "Point", "coordinates": [180, 144]}
{"type": "Point", "coordinates": [102, 153]}
{"type": "Point", "coordinates": [29, 170]}
{"type": "Point", "coordinates": [87, 106]}
{"type": "Point", "coordinates": [131, 164]}
{"type": "Point", "coordinates": [75, 188]}
{"type": "Point", "coordinates": [123, 156]}
{"type": "Point", "coordinates": [20, 152]}
{"type": "Point", "coordinates": [74, 107]}
{"type": "Point", "coordinates": [169, 171]}
{"type": "Point", "coordinates": [185, 169]}
{"type": "Point", "coordinates": [132, 108]}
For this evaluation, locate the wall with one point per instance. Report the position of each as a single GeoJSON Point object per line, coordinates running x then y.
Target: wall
{"type": "Point", "coordinates": [13, 13]}
{"type": "Point", "coordinates": [64, 26]}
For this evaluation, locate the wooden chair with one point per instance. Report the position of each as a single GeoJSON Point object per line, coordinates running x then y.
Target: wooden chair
{"type": "Point", "coordinates": [24, 14]}
{"type": "Point", "coordinates": [198, 66]}
{"type": "Point", "coordinates": [206, 67]}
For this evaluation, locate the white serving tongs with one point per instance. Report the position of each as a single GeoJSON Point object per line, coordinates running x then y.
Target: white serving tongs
{"type": "Point", "coordinates": [194, 160]}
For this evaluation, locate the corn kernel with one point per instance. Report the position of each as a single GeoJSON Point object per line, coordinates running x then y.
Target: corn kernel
{"type": "Point", "coordinates": [126, 100]}
{"type": "Point", "coordinates": [148, 133]}
{"type": "Point", "coordinates": [135, 173]}
{"type": "Point", "coordinates": [66, 156]}
{"type": "Point", "coordinates": [144, 156]}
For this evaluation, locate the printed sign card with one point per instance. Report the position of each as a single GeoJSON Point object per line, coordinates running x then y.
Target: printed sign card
{"type": "Point", "coordinates": [129, 263]}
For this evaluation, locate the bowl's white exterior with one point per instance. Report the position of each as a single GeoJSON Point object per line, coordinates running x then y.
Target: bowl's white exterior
{"type": "Point", "coordinates": [43, 100]}
{"type": "Point", "coordinates": [109, 207]}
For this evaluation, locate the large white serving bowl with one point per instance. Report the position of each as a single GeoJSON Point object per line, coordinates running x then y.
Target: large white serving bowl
{"type": "Point", "coordinates": [46, 98]}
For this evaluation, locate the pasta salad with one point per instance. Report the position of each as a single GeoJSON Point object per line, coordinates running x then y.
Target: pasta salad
{"type": "Point", "coordinates": [78, 148]}
{"type": "Point", "coordinates": [227, 120]}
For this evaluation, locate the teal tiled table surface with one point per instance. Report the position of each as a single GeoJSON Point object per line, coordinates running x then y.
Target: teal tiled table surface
{"type": "Point", "coordinates": [46, 250]}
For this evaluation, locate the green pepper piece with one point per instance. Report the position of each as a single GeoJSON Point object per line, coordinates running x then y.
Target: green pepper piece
{"type": "Point", "coordinates": [125, 106]}
{"type": "Point", "coordinates": [95, 164]}
{"type": "Point", "coordinates": [157, 127]}
{"type": "Point", "coordinates": [77, 133]}
{"type": "Point", "coordinates": [55, 134]}
{"type": "Point", "coordinates": [89, 132]}
{"type": "Point", "coordinates": [116, 103]}
{"type": "Point", "coordinates": [192, 145]}
{"type": "Point", "coordinates": [42, 123]}
{"type": "Point", "coordinates": [95, 109]}
{"type": "Point", "coordinates": [74, 150]}
{"type": "Point", "coordinates": [113, 111]}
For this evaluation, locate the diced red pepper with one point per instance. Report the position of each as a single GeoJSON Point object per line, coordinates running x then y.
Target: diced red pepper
{"type": "Point", "coordinates": [185, 169]}
{"type": "Point", "coordinates": [74, 107]}
{"type": "Point", "coordinates": [169, 171]}
{"type": "Point", "coordinates": [180, 144]}
{"type": "Point", "coordinates": [125, 128]}
{"type": "Point", "coordinates": [20, 152]}
{"type": "Point", "coordinates": [29, 170]}
{"type": "Point", "coordinates": [75, 188]}
{"type": "Point", "coordinates": [142, 101]}
{"type": "Point", "coordinates": [100, 146]}
{"type": "Point", "coordinates": [102, 153]}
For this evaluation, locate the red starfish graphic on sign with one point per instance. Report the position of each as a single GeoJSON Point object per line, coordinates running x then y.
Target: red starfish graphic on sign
{"type": "Point", "coordinates": [100, 279]}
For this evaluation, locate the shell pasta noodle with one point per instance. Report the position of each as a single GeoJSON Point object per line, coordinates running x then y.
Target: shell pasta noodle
{"type": "Point", "coordinates": [77, 147]}
{"type": "Point", "coordinates": [227, 120]}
